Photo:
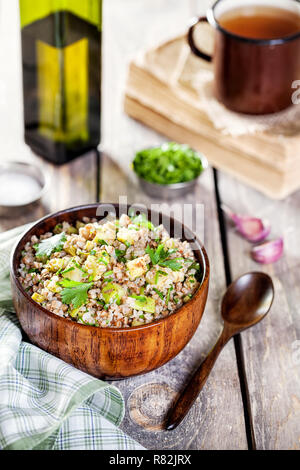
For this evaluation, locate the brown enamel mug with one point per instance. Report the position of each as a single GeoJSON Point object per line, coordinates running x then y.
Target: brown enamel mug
{"type": "Point", "coordinates": [252, 76]}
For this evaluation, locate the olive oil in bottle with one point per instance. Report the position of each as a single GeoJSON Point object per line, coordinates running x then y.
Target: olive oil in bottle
{"type": "Point", "coordinates": [61, 53]}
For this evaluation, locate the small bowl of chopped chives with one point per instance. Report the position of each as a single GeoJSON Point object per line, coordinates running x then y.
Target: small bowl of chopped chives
{"type": "Point", "coordinates": [170, 170]}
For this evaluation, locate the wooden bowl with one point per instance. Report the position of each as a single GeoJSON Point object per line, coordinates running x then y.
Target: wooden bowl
{"type": "Point", "coordinates": [111, 353]}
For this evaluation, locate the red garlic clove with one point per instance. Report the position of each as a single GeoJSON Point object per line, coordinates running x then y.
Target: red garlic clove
{"type": "Point", "coordinates": [268, 252]}
{"type": "Point", "coordinates": [252, 228]}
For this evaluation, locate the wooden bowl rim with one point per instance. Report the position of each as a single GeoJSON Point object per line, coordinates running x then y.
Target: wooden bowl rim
{"type": "Point", "coordinates": [39, 223]}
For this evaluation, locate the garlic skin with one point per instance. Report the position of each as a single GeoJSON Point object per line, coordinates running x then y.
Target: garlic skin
{"type": "Point", "coordinates": [268, 252]}
{"type": "Point", "coordinates": [252, 228]}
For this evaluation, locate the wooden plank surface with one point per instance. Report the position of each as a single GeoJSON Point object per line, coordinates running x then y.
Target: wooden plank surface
{"type": "Point", "coordinates": [272, 348]}
{"type": "Point", "coordinates": [210, 425]}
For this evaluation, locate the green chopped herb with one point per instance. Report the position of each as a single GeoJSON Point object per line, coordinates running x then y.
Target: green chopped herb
{"type": "Point", "coordinates": [157, 274]}
{"type": "Point", "coordinates": [172, 264]}
{"type": "Point", "coordinates": [169, 163]}
{"type": "Point", "coordinates": [33, 270]}
{"type": "Point", "coordinates": [198, 269]}
{"type": "Point", "coordinates": [157, 255]}
{"type": "Point", "coordinates": [67, 271]}
{"type": "Point", "coordinates": [168, 294]}
{"type": "Point", "coordinates": [102, 242]}
{"type": "Point", "coordinates": [85, 273]}
{"type": "Point", "coordinates": [74, 293]}
{"type": "Point", "coordinates": [93, 252]}
{"type": "Point", "coordinates": [107, 274]}
{"type": "Point", "coordinates": [58, 228]}
{"type": "Point", "coordinates": [120, 255]}
{"type": "Point", "coordinates": [162, 273]}
{"type": "Point", "coordinates": [161, 295]}
{"type": "Point", "coordinates": [160, 256]}
{"type": "Point", "coordinates": [142, 317]}
{"type": "Point", "coordinates": [87, 323]}
{"type": "Point", "coordinates": [171, 251]}
{"type": "Point", "coordinates": [142, 221]}
{"type": "Point", "coordinates": [151, 253]}
{"type": "Point", "coordinates": [140, 298]}
{"type": "Point", "coordinates": [50, 245]}
{"type": "Point", "coordinates": [195, 266]}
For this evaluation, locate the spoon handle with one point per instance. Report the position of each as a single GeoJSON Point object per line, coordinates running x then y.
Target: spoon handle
{"type": "Point", "coordinates": [192, 390]}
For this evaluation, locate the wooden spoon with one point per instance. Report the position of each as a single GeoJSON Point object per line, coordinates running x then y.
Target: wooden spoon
{"type": "Point", "coordinates": [245, 303]}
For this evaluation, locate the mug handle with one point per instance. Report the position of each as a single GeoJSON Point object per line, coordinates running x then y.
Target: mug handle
{"type": "Point", "coordinates": [191, 41]}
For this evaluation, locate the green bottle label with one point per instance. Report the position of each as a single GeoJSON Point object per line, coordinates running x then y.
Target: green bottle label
{"type": "Point", "coordinates": [89, 10]}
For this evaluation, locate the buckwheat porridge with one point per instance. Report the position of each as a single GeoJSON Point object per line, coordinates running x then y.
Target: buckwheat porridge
{"type": "Point", "coordinates": [122, 273]}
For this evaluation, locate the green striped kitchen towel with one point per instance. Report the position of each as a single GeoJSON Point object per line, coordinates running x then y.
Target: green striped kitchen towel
{"type": "Point", "coordinates": [44, 402]}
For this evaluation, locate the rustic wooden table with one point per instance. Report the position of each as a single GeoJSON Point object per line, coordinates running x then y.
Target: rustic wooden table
{"type": "Point", "coordinates": [252, 398]}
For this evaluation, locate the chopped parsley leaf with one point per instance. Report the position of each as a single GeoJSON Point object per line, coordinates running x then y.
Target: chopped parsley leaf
{"type": "Point", "coordinates": [50, 245]}
{"type": "Point", "coordinates": [120, 255]}
{"type": "Point", "coordinates": [75, 293]}
{"type": "Point", "coordinates": [168, 164]}
{"type": "Point", "coordinates": [33, 270]}
{"type": "Point", "coordinates": [160, 256]}
{"type": "Point", "coordinates": [172, 264]}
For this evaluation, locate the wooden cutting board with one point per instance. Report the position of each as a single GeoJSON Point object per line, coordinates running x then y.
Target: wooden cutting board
{"type": "Point", "coordinates": [159, 95]}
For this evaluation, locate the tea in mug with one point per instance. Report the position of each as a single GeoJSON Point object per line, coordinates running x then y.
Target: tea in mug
{"type": "Point", "coordinates": [261, 22]}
